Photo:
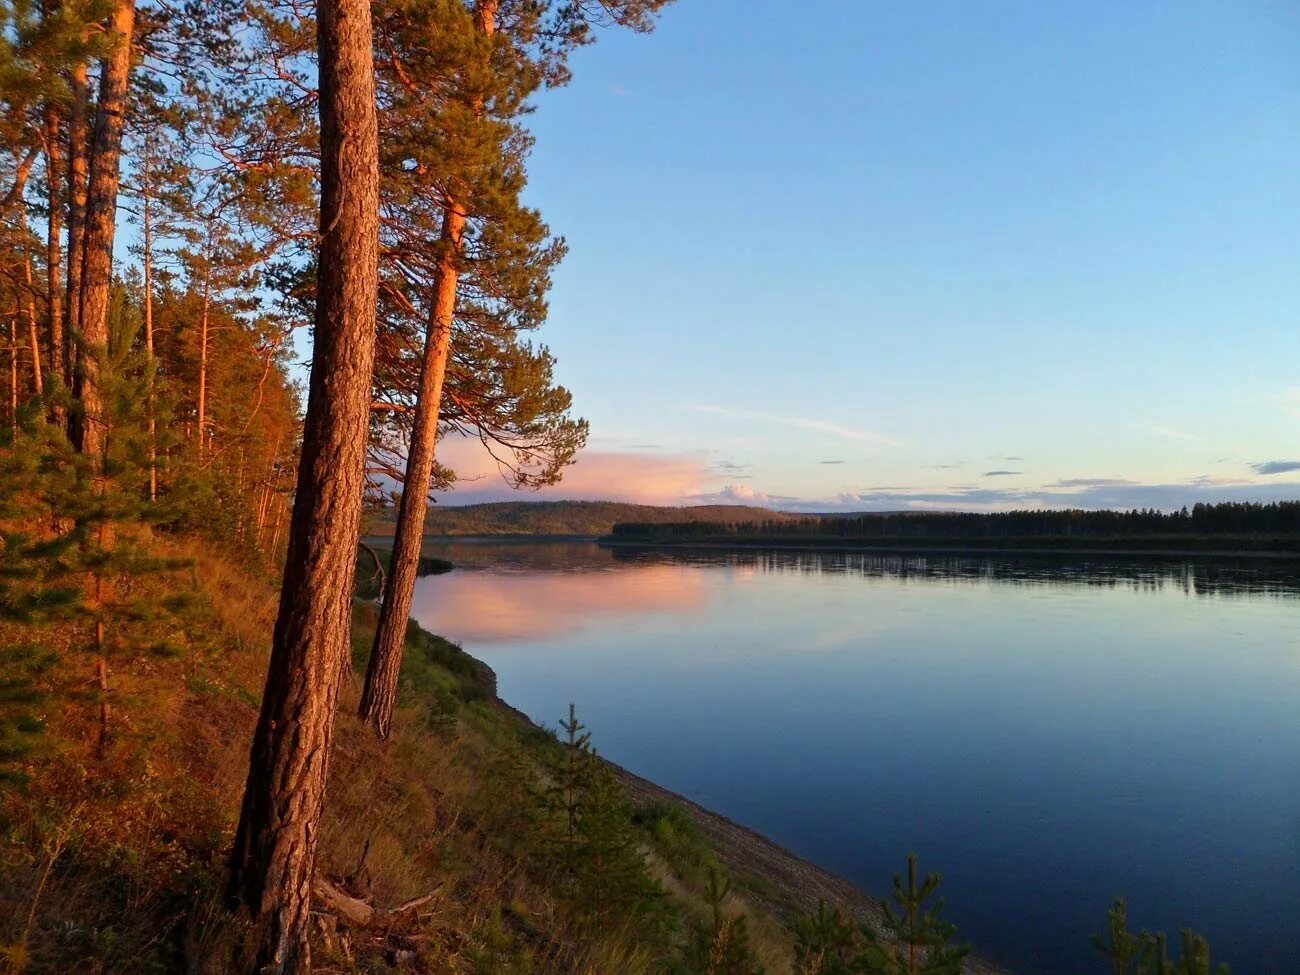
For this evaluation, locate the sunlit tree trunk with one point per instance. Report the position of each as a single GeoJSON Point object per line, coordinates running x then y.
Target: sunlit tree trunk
{"type": "Point", "coordinates": [100, 223]}
{"type": "Point", "coordinates": [379, 695]}
{"type": "Point", "coordinates": [204, 320]}
{"type": "Point", "coordinates": [275, 845]}
{"type": "Point", "coordinates": [54, 249]}
{"type": "Point", "coordinates": [33, 329]}
{"type": "Point", "coordinates": [146, 207]}
{"type": "Point", "coordinates": [76, 189]}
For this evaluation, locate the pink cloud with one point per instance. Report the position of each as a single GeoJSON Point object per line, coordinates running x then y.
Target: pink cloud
{"type": "Point", "coordinates": [643, 477]}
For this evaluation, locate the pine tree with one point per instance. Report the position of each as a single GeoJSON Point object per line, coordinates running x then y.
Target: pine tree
{"type": "Point", "coordinates": [571, 776]}
{"type": "Point", "coordinates": [1147, 953]}
{"type": "Point", "coordinates": [1120, 947]}
{"type": "Point", "coordinates": [825, 943]}
{"type": "Point", "coordinates": [273, 859]}
{"type": "Point", "coordinates": [916, 940]}
{"type": "Point", "coordinates": [721, 945]}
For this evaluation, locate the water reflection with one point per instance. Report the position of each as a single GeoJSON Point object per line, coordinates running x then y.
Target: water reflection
{"type": "Point", "coordinates": [1203, 577]}
{"type": "Point", "coordinates": [1191, 576]}
{"type": "Point", "coordinates": [1049, 732]}
{"type": "Point", "coordinates": [474, 606]}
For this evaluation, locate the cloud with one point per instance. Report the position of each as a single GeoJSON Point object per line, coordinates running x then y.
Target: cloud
{"type": "Point", "coordinates": [1174, 434]}
{"type": "Point", "coordinates": [743, 494]}
{"type": "Point", "coordinates": [638, 477]}
{"type": "Point", "coordinates": [1119, 494]}
{"type": "Point", "coordinates": [944, 467]}
{"type": "Point", "coordinates": [1091, 482]}
{"type": "Point", "coordinates": [1004, 457]}
{"type": "Point", "coordinates": [830, 462]}
{"type": "Point", "coordinates": [1276, 466]}
{"type": "Point", "coordinates": [728, 467]}
{"type": "Point", "coordinates": [802, 423]}
{"type": "Point", "coordinates": [1001, 473]}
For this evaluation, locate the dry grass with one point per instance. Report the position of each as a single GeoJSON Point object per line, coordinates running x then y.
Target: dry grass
{"type": "Point", "coordinates": [118, 858]}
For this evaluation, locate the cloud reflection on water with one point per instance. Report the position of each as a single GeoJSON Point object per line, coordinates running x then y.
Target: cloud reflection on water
{"type": "Point", "coordinates": [478, 607]}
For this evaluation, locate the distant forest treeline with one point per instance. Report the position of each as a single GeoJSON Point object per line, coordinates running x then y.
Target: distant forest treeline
{"type": "Point", "coordinates": [1229, 518]}
{"type": "Point", "coordinates": [569, 517]}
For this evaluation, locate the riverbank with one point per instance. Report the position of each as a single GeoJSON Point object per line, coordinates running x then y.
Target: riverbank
{"type": "Point", "coordinates": [1211, 549]}
{"type": "Point", "coordinates": [442, 849]}
{"type": "Point", "coordinates": [778, 885]}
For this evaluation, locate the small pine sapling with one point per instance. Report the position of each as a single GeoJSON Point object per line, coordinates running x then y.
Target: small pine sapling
{"type": "Point", "coordinates": [1121, 947]}
{"type": "Point", "coordinates": [826, 943]}
{"type": "Point", "coordinates": [916, 940]}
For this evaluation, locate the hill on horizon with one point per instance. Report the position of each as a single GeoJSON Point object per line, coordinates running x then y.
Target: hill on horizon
{"type": "Point", "coordinates": [568, 517]}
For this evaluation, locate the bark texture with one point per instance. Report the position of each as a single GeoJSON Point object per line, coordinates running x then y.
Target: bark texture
{"type": "Point", "coordinates": [76, 189]}
{"type": "Point", "coordinates": [273, 860]}
{"type": "Point", "coordinates": [101, 223]}
{"type": "Point", "coordinates": [379, 695]}
{"type": "Point", "coordinates": [54, 246]}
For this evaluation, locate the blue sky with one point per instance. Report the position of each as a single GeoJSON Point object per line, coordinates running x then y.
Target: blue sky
{"type": "Point", "coordinates": [947, 254]}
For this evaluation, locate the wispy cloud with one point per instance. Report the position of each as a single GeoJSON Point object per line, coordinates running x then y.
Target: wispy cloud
{"type": "Point", "coordinates": [1122, 495]}
{"type": "Point", "coordinates": [1001, 473]}
{"type": "Point", "coordinates": [1276, 466]}
{"type": "Point", "coordinates": [1091, 482]}
{"type": "Point", "coordinates": [728, 467]}
{"type": "Point", "coordinates": [742, 494]}
{"type": "Point", "coordinates": [1173, 434]}
{"type": "Point", "coordinates": [830, 462]}
{"type": "Point", "coordinates": [801, 423]}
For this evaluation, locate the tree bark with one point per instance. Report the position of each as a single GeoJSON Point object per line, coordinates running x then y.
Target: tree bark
{"type": "Point", "coordinates": [275, 846]}
{"type": "Point", "coordinates": [33, 329]}
{"type": "Point", "coordinates": [54, 249]}
{"type": "Point", "coordinates": [77, 176]}
{"type": "Point", "coordinates": [379, 695]}
{"type": "Point", "coordinates": [146, 207]}
{"type": "Point", "coordinates": [202, 420]}
{"type": "Point", "coordinates": [100, 226]}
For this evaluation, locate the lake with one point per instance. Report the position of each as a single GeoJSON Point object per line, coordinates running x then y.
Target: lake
{"type": "Point", "coordinates": [1045, 732]}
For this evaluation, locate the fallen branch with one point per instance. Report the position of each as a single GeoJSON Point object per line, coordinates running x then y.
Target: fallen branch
{"type": "Point", "coordinates": [360, 913]}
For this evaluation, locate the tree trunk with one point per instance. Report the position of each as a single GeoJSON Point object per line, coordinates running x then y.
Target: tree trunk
{"type": "Point", "coordinates": [29, 281]}
{"type": "Point", "coordinates": [100, 226]}
{"type": "Point", "coordinates": [202, 423]}
{"type": "Point", "coordinates": [77, 134]}
{"type": "Point", "coordinates": [54, 250]}
{"type": "Point", "coordinates": [38, 382]}
{"type": "Point", "coordinates": [379, 696]}
{"type": "Point", "coordinates": [146, 207]}
{"type": "Point", "coordinates": [13, 372]}
{"type": "Point", "coordinates": [275, 846]}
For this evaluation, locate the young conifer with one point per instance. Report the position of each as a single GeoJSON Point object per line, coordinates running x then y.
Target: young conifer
{"type": "Point", "coordinates": [916, 940]}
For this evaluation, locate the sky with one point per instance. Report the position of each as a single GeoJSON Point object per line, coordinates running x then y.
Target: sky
{"type": "Point", "coordinates": [833, 255]}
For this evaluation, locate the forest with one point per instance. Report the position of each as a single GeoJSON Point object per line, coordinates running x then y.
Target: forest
{"type": "Point", "coordinates": [1233, 524]}
{"type": "Point", "coordinates": [581, 518]}
{"type": "Point", "coordinates": [215, 756]}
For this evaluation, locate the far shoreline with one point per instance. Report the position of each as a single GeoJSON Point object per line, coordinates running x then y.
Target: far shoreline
{"type": "Point", "coordinates": [949, 549]}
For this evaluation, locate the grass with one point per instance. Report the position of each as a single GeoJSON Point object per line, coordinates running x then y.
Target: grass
{"type": "Point", "coordinates": [114, 862]}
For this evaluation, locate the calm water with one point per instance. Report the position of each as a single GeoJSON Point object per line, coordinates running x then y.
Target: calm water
{"type": "Point", "coordinates": [1047, 733]}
